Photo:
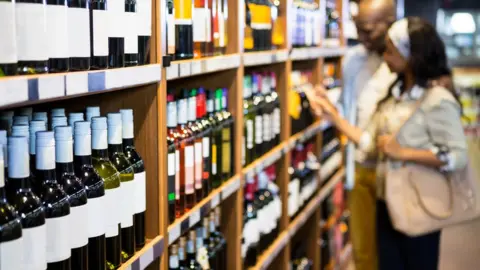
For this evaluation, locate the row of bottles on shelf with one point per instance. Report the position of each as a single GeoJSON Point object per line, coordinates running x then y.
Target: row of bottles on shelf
{"type": "Point", "coordinates": [203, 247]}
{"type": "Point", "coordinates": [200, 146]}
{"type": "Point", "coordinates": [306, 21]}
{"type": "Point", "coordinates": [331, 161]}
{"type": "Point", "coordinates": [261, 109]}
{"type": "Point", "coordinates": [298, 105]}
{"type": "Point", "coordinates": [196, 28]}
{"type": "Point", "coordinates": [332, 25]}
{"type": "Point", "coordinates": [303, 177]}
{"type": "Point", "coordinates": [75, 196]}
{"type": "Point", "coordinates": [262, 211]}
{"type": "Point", "coordinates": [263, 29]}
{"type": "Point", "coordinates": [59, 36]}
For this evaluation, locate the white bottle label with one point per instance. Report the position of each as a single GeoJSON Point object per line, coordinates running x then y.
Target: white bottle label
{"type": "Point", "coordinates": [144, 10]}
{"type": "Point", "coordinates": [31, 29]}
{"type": "Point", "coordinates": [199, 24]}
{"type": "Point", "coordinates": [113, 198]}
{"type": "Point", "coordinates": [100, 33]}
{"type": "Point", "coordinates": [35, 248]}
{"type": "Point", "coordinates": [208, 23]}
{"type": "Point", "coordinates": [258, 129]}
{"type": "Point", "coordinates": [177, 175]}
{"type": "Point", "coordinates": [266, 128]}
{"type": "Point", "coordinates": [131, 36]}
{"type": "Point", "coordinates": [127, 201]}
{"type": "Point", "coordinates": [250, 143]}
{"type": "Point", "coordinates": [276, 121]}
{"type": "Point", "coordinates": [198, 165]}
{"type": "Point", "coordinates": [97, 212]}
{"type": "Point", "coordinates": [11, 254]}
{"type": "Point", "coordinates": [8, 46]}
{"type": "Point", "coordinates": [221, 29]}
{"type": "Point", "coordinates": [140, 196]}
{"type": "Point", "coordinates": [79, 225]}
{"type": "Point", "coordinates": [189, 169]}
{"type": "Point", "coordinates": [206, 146]}
{"type": "Point", "coordinates": [58, 239]}
{"type": "Point", "coordinates": [171, 32]}
{"type": "Point", "coordinates": [171, 164]}
{"type": "Point", "coordinates": [57, 32]}
{"type": "Point", "coordinates": [78, 32]}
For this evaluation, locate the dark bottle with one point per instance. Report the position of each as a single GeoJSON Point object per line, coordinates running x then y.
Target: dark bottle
{"type": "Point", "coordinates": [77, 197]}
{"type": "Point", "coordinates": [95, 189]}
{"type": "Point", "coordinates": [173, 262]}
{"type": "Point", "coordinates": [31, 30]}
{"type": "Point", "coordinates": [116, 34]}
{"type": "Point", "coordinates": [250, 228]}
{"type": "Point", "coordinates": [125, 169]}
{"type": "Point", "coordinates": [98, 34]}
{"type": "Point", "coordinates": [78, 23]}
{"type": "Point", "coordinates": [23, 130]}
{"type": "Point", "coordinates": [209, 242]}
{"type": "Point", "coordinates": [182, 252]}
{"type": "Point", "coordinates": [264, 198]}
{"type": "Point", "coordinates": [227, 139]}
{"type": "Point", "coordinates": [248, 142]}
{"type": "Point", "coordinates": [55, 202]}
{"type": "Point", "coordinates": [215, 231]}
{"type": "Point", "coordinates": [276, 121]}
{"type": "Point", "coordinates": [113, 192]}
{"type": "Point", "coordinates": [258, 102]}
{"type": "Point", "coordinates": [11, 240]}
{"type": "Point", "coordinates": [173, 160]}
{"type": "Point", "coordinates": [192, 263]}
{"type": "Point", "coordinates": [267, 112]}
{"type": "Point", "coordinates": [216, 140]}
{"type": "Point", "coordinates": [131, 36]}
{"type": "Point", "coordinates": [183, 29]}
{"type": "Point", "coordinates": [27, 205]}
{"type": "Point", "coordinates": [206, 134]}
{"type": "Point", "coordinates": [139, 177]}
{"type": "Point", "coordinates": [57, 36]}
{"type": "Point", "coordinates": [219, 142]}
{"type": "Point", "coordinates": [144, 31]}
{"type": "Point", "coordinates": [8, 47]}
{"type": "Point", "coordinates": [187, 155]}
{"type": "Point", "coordinates": [196, 127]}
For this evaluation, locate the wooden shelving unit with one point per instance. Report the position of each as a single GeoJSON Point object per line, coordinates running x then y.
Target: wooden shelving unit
{"type": "Point", "coordinates": [144, 89]}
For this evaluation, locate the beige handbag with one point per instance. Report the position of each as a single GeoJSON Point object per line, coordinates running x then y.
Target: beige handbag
{"type": "Point", "coordinates": [422, 199]}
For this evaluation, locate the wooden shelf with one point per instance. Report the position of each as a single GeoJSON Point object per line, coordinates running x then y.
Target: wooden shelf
{"type": "Point", "coordinates": [272, 251]}
{"type": "Point", "coordinates": [264, 57]}
{"type": "Point", "coordinates": [152, 250]}
{"type": "Point", "coordinates": [24, 90]}
{"type": "Point", "coordinates": [193, 67]}
{"type": "Point", "coordinates": [188, 220]}
{"type": "Point", "coordinates": [311, 53]}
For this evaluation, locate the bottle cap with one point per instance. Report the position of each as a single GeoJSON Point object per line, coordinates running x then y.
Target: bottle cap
{"type": "Point", "coordinates": [99, 122]}
{"type": "Point", "coordinates": [170, 97]}
{"type": "Point", "coordinates": [21, 130]}
{"type": "Point", "coordinates": [127, 115]}
{"type": "Point", "coordinates": [35, 126]}
{"type": "Point", "coordinates": [114, 119]}
{"type": "Point", "coordinates": [18, 165]}
{"type": "Point", "coordinates": [127, 123]}
{"type": "Point", "coordinates": [57, 112]}
{"type": "Point", "coordinates": [185, 93]}
{"type": "Point", "coordinates": [59, 121]}
{"type": "Point", "coordinates": [83, 139]}
{"type": "Point", "coordinates": [201, 90]}
{"type": "Point", "coordinates": [74, 117]}
{"type": "Point", "coordinates": [63, 133]}
{"type": "Point", "coordinates": [92, 112]}
{"type": "Point", "coordinates": [45, 139]}
{"type": "Point", "coordinates": [28, 111]}
{"type": "Point", "coordinates": [82, 128]}
{"type": "Point", "coordinates": [20, 120]}
{"type": "Point", "coordinates": [40, 116]}
{"type": "Point", "coordinates": [115, 130]}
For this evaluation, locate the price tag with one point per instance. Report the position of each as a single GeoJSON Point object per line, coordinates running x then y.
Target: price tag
{"type": "Point", "coordinates": [211, 65]}
{"type": "Point", "coordinates": [51, 87]}
{"type": "Point", "coordinates": [13, 90]}
{"type": "Point", "coordinates": [215, 201]}
{"type": "Point", "coordinates": [185, 69]}
{"type": "Point", "coordinates": [196, 67]}
{"type": "Point", "coordinates": [194, 218]}
{"type": "Point", "coordinates": [232, 187]}
{"type": "Point", "coordinates": [146, 258]}
{"type": "Point", "coordinates": [172, 71]}
{"type": "Point", "coordinates": [173, 234]}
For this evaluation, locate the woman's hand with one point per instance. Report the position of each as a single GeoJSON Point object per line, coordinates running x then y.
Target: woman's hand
{"type": "Point", "coordinates": [389, 145]}
{"type": "Point", "coordinates": [321, 105]}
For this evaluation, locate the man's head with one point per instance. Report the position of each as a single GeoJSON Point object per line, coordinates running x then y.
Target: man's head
{"type": "Point", "coordinates": [372, 22]}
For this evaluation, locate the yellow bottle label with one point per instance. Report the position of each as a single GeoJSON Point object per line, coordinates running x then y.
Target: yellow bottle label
{"type": "Point", "coordinates": [294, 104]}
{"type": "Point", "coordinates": [214, 159]}
{"type": "Point", "coordinates": [183, 9]}
{"type": "Point", "coordinates": [226, 150]}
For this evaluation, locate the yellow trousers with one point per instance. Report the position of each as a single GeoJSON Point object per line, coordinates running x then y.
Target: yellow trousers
{"type": "Point", "coordinates": [361, 202]}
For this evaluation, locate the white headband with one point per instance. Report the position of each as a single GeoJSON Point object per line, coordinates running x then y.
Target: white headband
{"type": "Point", "coordinates": [398, 34]}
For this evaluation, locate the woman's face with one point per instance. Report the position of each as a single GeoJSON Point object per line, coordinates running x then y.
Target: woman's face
{"type": "Point", "coordinates": [395, 61]}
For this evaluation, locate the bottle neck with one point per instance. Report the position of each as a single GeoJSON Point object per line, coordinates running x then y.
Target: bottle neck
{"type": "Point", "coordinates": [115, 148]}
{"type": "Point", "coordinates": [20, 183]}
{"type": "Point", "coordinates": [81, 161]}
{"type": "Point", "coordinates": [62, 168]}
{"type": "Point", "coordinates": [192, 109]}
{"type": "Point", "coordinates": [210, 106]}
{"type": "Point", "coordinates": [100, 153]}
{"type": "Point", "coordinates": [182, 111]}
{"type": "Point", "coordinates": [46, 175]}
{"type": "Point", "coordinates": [172, 114]}
{"type": "Point", "coordinates": [128, 143]}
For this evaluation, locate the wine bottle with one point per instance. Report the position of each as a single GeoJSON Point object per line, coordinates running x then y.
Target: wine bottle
{"type": "Point", "coordinates": [77, 197]}
{"type": "Point", "coordinates": [35, 126]}
{"type": "Point", "coordinates": [58, 121]}
{"type": "Point", "coordinates": [182, 249]}
{"type": "Point", "coordinates": [227, 131]}
{"type": "Point", "coordinates": [11, 240]}
{"type": "Point", "coordinates": [6, 121]}
{"type": "Point", "coordinates": [116, 34]}
{"type": "Point", "coordinates": [8, 46]}
{"type": "Point", "coordinates": [251, 227]}
{"type": "Point", "coordinates": [248, 43]}
{"type": "Point", "coordinates": [249, 117]}
{"type": "Point", "coordinates": [173, 263]}
{"type": "Point", "coordinates": [183, 29]}
{"type": "Point", "coordinates": [23, 131]}
{"type": "Point", "coordinates": [27, 205]}
{"type": "Point", "coordinates": [206, 139]}
{"type": "Point", "coordinates": [41, 116]}
{"type": "Point", "coordinates": [78, 24]}
{"type": "Point", "coordinates": [144, 10]}
{"type": "Point", "coordinates": [210, 243]}
{"type": "Point", "coordinates": [131, 37]}
{"type": "Point", "coordinates": [113, 193]}
{"type": "Point", "coordinates": [276, 123]}
{"type": "Point", "coordinates": [187, 155]}
{"type": "Point", "coordinates": [136, 160]}
{"type": "Point", "coordinates": [125, 169]}
{"type": "Point", "coordinates": [57, 36]}
{"type": "Point", "coordinates": [55, 203]}
{"type": "Point", "coordinates": [95, 190]}
{"type": "Point", "coordinates": [192, 251]}
{"type": "Point", "coordinates": [196, 127]}
{"type": "Point", "coordinates": [267, 112]}
{"type": "Point", "coordinates": [92, 112]}
{"type": "Point", "coordinates": [201, 18]}
{"type": "Point", "coordinates": [170, 35]}
{"type": "Point", "coordinates": [215, 179]}
{"type": "Point", "coordinates": [98, 34]}
{"type": "Point", "coordinates": [74, 117]}
{"type": "Point", "coordinates": [173, 171]}
{"type": "Point", "coordinates": [258, 104]}
{"type": "Point", "coordinates": [31, 28]}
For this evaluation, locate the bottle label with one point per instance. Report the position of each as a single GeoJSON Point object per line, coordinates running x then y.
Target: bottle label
{"type": "Point", "coordinates": [131, 35]}
{"type": "Point", "coordinates": [177, 175]}
{"type": "Point", "coordinates": [57, 32]}
{"type": "Point", "coordinates": [214, 159]}
{"type": "Point", "coordinates": [11, 252]}
{"type": "Point", "coordinates": [173, 262]}
{"type": "Point", "coordinates": [171, 164]}
{"type": "Point", "coordinates": [276, 121]}
{"type": "Point", "coordinates": [128, 203]}
{"type": "Point", "coordinates": [31, 30]}
{"type": "Point", "coordinates": [226, 156]}
{"type": "Point", "coordinates": [208, 24]}
{"type": "Point", "coordinates": [198, 165]}
{"type": "Point", "coordinates": [100, 33]}
{"type": "Point", "coordinates": [8, 46]}
{"type": "Point", "coordinates": [78, 224]}
{"type": "Point", "coordinates": [206, 157]}
{"type": "Point", "coordinates": [182, 111]}
{"type": "Point", "coordinates": [258, 129]}
{"type": "Point", "coordinates": [206, 147]}
{"type": "Point", "coordinates": [221, 29]}
{"type": "Point", "coordinates": [97, 212]}
{"type": "Point", "coordinates": [249, 126]}
{"type": "Point", "coordinates": [113, 197]}
{"type": "Point", "coordinates": [34, 247]}
{"type": "Point", "coordinates": [202, 258]}
{"type": "Point", "coordinates": [144, 9]}
{"type": "Point", "coordinates": [192, 109]}
{"type": "Point", "coordinates": [83, 145]}
{"type": "Point", "coordinates": [189, 169]}
{"type": "Point", "coordinates": [140, 197]}
{"type": "Point", "coordinates": [171, 177]}
{"type": "Point", "coordinates": [171, 32]}
{"type": "Point", "coordinates": [78, 32]}
{"type": "Point", "coordinates": [58, 239]}
{"type": "Point", "coordinates": [172, 114]}
{"type": "Point", "coordinates": [200, 16]}
{"type": "Point", "coordinates": [266, 128]}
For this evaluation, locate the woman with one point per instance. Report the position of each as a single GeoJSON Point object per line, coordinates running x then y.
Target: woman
{"type": "Point", "coordinates": [413, 123]}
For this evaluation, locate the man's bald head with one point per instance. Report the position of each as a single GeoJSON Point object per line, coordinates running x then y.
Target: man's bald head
{"type": "Point", "coordinates": [373, 20]}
